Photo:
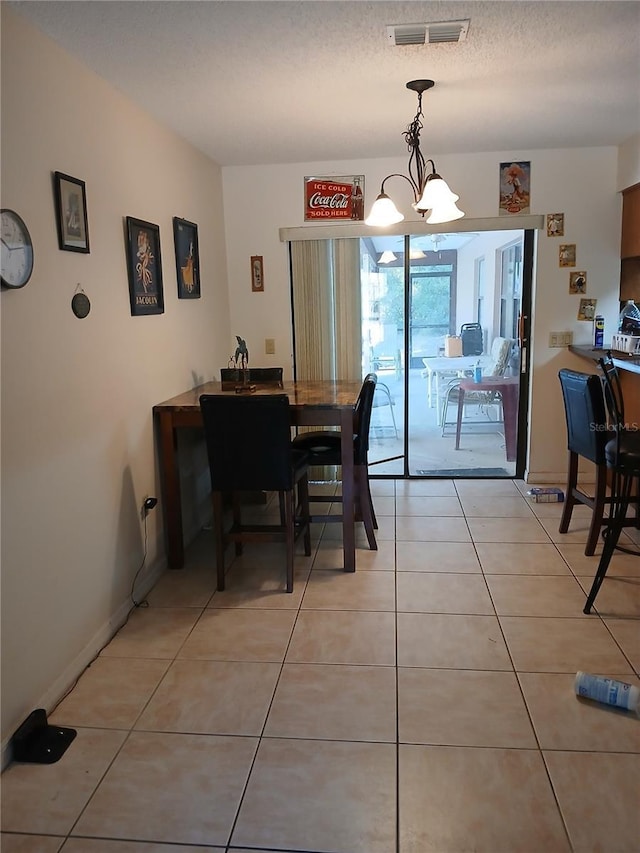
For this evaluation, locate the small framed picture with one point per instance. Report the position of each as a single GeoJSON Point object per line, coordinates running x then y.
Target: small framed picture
{"type": "Point", "coordinates": [587, 309]}
{"type": "Point", "coordinates": [185, 239]}
{"type": "Point", "coordinates": [578, 281]}
{"type": "Point", "coordinates": [567, 255]}
{"type": "Point", "coordinates": [515, 187]}
{"type": "Point", "coordinates": [71, 213]}
{"type": "Point", "coordinates": [144, 266]}
{"type": "Point", "coordinates": [555, 224]}
{"type": "Point", "coordinates": [257, 274]}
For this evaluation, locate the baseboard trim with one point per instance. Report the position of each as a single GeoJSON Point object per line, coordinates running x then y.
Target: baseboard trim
{"type": "Point", "coordinates": [52, 697]}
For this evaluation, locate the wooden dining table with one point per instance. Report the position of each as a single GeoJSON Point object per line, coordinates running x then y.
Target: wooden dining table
{"type": "Point", "coordinates": [317, 403]}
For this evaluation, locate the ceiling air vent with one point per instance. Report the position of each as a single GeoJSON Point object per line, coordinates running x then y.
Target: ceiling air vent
{"type": "Point", "coordinates": [438, 33]}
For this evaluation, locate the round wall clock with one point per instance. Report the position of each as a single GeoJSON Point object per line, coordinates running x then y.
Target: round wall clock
{"type": "Point", "coordinates": [16, 257]}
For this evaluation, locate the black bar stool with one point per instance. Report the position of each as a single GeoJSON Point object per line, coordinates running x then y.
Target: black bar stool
{"type": "Point", "coordinates": [622, 455]}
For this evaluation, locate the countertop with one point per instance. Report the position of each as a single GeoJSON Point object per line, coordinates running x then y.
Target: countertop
{"type": "Point", "coordinates": [622, 360]}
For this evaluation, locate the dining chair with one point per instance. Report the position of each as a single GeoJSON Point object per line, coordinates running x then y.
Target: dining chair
{"type": "Point", "coordinates": [249, 448]}
{"type": "Point", "coordinates": [622, 456]}
{"type": "Point", "coordinates": [382, 397]}
{"type": "Point", "coordinates": [587, 435]}
{"type": "Point", "coordinates": [495, 366]}
{"type": "Point", "coordinates": [324, 448]}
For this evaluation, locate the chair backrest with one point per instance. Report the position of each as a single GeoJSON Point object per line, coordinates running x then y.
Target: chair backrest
{"type": "Point", "coordinates": [362, 419]}
{"type": "Point", "coordinates": [585, 414]}
{"type": "Point", "coordinates": [248, 441]}
{"type": "Point", "coordinates": [472, 340]}
{"type": "Point", "coordinates": [498, 357]}
{"type": "Point", "coordinates": [613, 398]}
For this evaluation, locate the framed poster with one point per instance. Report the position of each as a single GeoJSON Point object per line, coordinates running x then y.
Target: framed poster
{"type": "Point", "coordinates": [587, 309]}
{"type": "Point", "coordinates": [334, 198]}
{"type": "Point", "coordinates": [71, 213]}
{"type": "Point", "coordinates": [257, 274]}
{"type": "Point", "coordinates": [144, 267]}
{"type": "Point", "coordinates": [515, 187]}
{"type": "Point", "coordinates": [185, 240]}
{"type": "Point", "coordinates": [555, 224]}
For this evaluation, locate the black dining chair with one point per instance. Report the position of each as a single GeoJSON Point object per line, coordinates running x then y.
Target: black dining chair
{"type": "Point", "coordinates": [324, 448]}
{"type": "Point", "coordinates": [622, 456]}
{"type": "Point", "coordinates": [587, 435]}
{"type": "Point", "coordinates": [249, 449]}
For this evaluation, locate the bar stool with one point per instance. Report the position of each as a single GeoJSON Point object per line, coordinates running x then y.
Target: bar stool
{"type": "Point", "coordinates": [622, 455]}
{"type": "Point", "coordinates": [587, 436]}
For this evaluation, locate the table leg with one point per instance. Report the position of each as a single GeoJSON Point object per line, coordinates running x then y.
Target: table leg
{"type": "Point", "coordinates": [170, 484]}
{"type": "Point", "coordinates": [430, 388]}
{"type": "Point", "coordinates": [459, 420]}
{"type": "Point", "coordinates": [348, 515]}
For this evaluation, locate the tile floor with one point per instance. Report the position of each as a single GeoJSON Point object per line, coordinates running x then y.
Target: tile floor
{"type": "Point", "coordinates": [424, 704]}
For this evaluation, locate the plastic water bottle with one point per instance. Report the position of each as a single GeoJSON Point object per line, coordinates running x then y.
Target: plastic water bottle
{"type": "Point", "coordinates": [609, 691]}
{"type": "Point", "coordinates": [477, 373]}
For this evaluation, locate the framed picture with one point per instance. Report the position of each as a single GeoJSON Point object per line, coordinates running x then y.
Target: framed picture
{"type": "Point", "coordinates": [567, 255]}
{"type": "Point", "coordinates": [71, 213]}
{"type": "Point", "coordinates": [257, 274]}
{"type": "Point", "coordinates": [334, 198]}
{"type": "Point", "coordinates": [515, 188]}
{"type": "Point", "coordinates": [587, 309]}
{"type": "Point", "coordinates": [578, 281]}
{"type": "Point", "coordinates": [144, 266]}
{"type": "Point", "coordinates": [555, 224]}
{"type": "Point", "coordinates": [185, 239]}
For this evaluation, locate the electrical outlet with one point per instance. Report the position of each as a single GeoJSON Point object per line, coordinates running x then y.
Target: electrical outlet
{"type": "Point", "coordinates": [270, 346]}
{"type": "Point", "coordinates": [560, 339]}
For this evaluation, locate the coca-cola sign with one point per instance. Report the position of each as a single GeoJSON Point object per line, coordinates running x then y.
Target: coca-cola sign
{"type": "Point", "coordinates": [334, 198]}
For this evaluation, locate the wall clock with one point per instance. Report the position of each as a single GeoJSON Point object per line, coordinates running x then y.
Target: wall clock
{"type": "Point", "coordinates": [16, 257]}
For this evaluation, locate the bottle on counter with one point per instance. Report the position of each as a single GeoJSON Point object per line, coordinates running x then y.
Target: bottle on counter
{"type": "Point", "coordinates": [629, 319]}
{"type": "Point", "coordinates": [598, 332]}
{"type": "Point", "coordinates": [477, 372]}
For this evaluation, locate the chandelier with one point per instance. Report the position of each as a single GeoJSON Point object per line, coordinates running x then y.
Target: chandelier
{"type": "Point", "coordinates": [430, 191]}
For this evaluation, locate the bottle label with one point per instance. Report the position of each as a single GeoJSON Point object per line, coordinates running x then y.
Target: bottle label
{"type": "Point", "coordinates": [607, 690]}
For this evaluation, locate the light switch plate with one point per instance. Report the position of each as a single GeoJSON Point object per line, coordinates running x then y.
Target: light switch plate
{"type": "Point", "coordinates": [270, 346]}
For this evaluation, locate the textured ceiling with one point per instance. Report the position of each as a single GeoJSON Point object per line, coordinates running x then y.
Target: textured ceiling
{"type": "Point", "coordinates": [283, 82]}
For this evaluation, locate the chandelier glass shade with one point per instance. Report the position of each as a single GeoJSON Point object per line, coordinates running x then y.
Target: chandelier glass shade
{"type": "Point", "coordinates": [430, 191]}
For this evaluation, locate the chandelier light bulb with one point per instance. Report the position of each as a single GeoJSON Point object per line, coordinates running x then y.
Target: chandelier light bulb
{"type": "Point", "coordinates": [384, 212]}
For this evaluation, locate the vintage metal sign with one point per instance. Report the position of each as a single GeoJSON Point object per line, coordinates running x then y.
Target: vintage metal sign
{"type": "Point", "coordinates": [328, 199]}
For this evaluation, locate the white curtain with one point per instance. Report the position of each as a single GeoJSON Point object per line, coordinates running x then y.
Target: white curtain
{"type": "Point", "coordinates": [326, 309]}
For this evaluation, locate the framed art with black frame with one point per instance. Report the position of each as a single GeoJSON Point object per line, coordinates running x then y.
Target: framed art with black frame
{"type": "Point", "coordinates": [144, 266]}
{"type": "Point", "coordinates": [71, 213]}
{"type": "Point", "coordinates": [185, 238]}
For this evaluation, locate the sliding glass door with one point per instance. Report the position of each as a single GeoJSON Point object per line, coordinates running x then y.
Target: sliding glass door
{"type": "Point", "coordinates": [415, 295]}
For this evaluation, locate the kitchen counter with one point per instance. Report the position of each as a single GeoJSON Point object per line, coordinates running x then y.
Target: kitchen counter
{"type": "Point", "coordinates": [622, 360]}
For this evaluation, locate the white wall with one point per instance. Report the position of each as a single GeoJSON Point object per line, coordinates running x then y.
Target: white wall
{"type": "Point", "coordinates": [77, 437]}
{"type": "Point", "coordinates": [581, 183]}
{"type": "Point", "coordinates": [629, 163]}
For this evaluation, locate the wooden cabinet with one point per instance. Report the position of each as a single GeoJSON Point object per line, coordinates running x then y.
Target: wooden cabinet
{"type": "Point", "coordinates": [630, 244]}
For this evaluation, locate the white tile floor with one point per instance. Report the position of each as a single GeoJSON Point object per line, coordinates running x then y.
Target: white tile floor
{"type": "Point", "coordinates": [424, 704]}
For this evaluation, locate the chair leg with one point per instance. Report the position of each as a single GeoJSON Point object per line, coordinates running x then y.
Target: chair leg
{"type": "Point", "coordinates": [600, 494]}
{"type": "Point", "coordinates": [289, 512]}
{"type": "Point", "coordinates": [370, 499]}
{"type": "Point", "coordinates": [620, 492]}
{"type": "Point", "coordinates": [303, 499]}
{"type": "Point", "coordinates": [361, 481]}
{"type": "Point", "coordinates": [237, 520]}
{"type": "Point", "coordinates": [218, 528]}
{"type": "Point", "coordinates": [570, 501]}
